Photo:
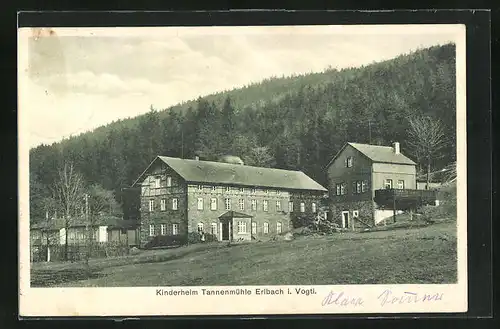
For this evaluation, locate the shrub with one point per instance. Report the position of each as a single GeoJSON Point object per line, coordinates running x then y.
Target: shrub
{"type": "Point", "coordinates": [303, 231]}
{"type": "Point", "coordinates": [165, 240]}
{"type": "Point", "coordinates": [447, 196]}
{"type": "Point", "coordinates": [430, 213]}
{"type": "Point", "coordinates": [210, 237]}
{"type": "Point", "coordinates": [134, 251]}
{"type": "Point", "coordinates": [324, 225]}
{"type": "Point", "coordinates": [302, 220]}
{"type": "Point", "coordinates": [195, 237]}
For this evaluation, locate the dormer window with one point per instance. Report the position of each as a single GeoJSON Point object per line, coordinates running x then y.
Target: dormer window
{"type": "Point", "coordinates": [348, 162]}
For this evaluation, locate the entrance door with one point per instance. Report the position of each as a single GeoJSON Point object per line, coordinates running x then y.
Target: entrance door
{"type": "Point", "coordinates": [345, 219]}
{"type": "Point", "coordinates": [225, 231]}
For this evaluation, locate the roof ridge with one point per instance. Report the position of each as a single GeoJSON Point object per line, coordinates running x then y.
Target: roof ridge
{"type": "Point", "coordinates": [371, 145]}
{"type": "Point", "coordinates": [192, 170]}
{"type": "Point", "coordinates": [231, 164]}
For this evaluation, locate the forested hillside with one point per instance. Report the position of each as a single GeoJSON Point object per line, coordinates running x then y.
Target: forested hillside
{"type": "Point", "coordinates": [294, 123]}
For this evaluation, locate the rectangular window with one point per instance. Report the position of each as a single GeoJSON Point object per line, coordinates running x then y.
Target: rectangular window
{"type": "Point", "coordinates": [358, 187]}
{"type": "Point", "coordinates": [313, 206]}
{"type": "Point", "coordinates": [266, 191]}
{"type": "Point", "coordinates": [265, 205]}
{"type": "Point", "coordinates": [348, 162]}
{"type": "Point", "coordinates": [242, 227]}
{"type": "Point", "coordinates": [354, 191]}
{"type": "Point", "coordinates": [214, 188]}
{"type": "Point", "coordinates": [200, 203]}
{"type": "Point", "coordinates": [302, 207]}
{"type": "Point", "coordinates": [163, 229]}
{"type": "Point", "coordinates": [401, 184]}
{"type": "Point", "coordinates": [213, 229]}
{"type": "Point", "coordinates": [213, 204]}
{"type": "Point", "coordinates": [163, 204]}
{"type": "Point", "coordinates": [228, 188]}
{"type": "Point", "coordinates": [266, 228]}
{"type": "Point", "coordinates": [337, 189]}
{"type": "Point", "coordinates": [200, 227]}
{"type": "Point", "coordinates": [343, 188]}
{"type": "Point", "coordinates": [388, 183]}
{"type": "Point", "coordinates": [228, 203]}
{"type": "Point", "coordinates": [151, 230]}
{"type": "Point", "coordinates": [254, 190]}
{"type": "Point", "coordinates": [278, 205]}
{"type": "Point", "coordinates": [169, 181]}
{"type": "Point", "coordinates": [175, 204]}
{"type": "Point", "coordinates": [241, 190]}
{"type": "Point", "coordinates": [151, 205]}
{"type": "Point", "coordinates": [278, 192]}
{"type": "Point", "coordinates": [175, 229]}
{"type": "Point", "coordinates": [278, 227]}
{"type": "Point", "coordinates": [355, 213]}
{"type": "Point", "coordinates": [241, 202]}
{"type": "Point", "coordinates": [254, 228]}
{"type": "Point", "coordinates": [200, 187]}
{"type": "Point", "coordinates": [157, 181]}
{"type": "Point", "coordinates": [290, 206]}
{"type": "Point", "coordinates": [254, 205]}
{"type": "Point", "coordinates": [364, 186]}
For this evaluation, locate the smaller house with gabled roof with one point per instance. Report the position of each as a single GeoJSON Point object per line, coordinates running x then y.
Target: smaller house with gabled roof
{"type": "Point", "coordinates": [357, 172]}
{"type": "Point", "coordinates": [105, 228]}
{"type": "Point", "coordinates": [228, 200]}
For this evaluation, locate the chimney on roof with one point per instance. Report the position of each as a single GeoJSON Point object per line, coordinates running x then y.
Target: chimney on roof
{"type": "Point", "coordinates": [395, 146]}
{"type": "Point", "coordinates": [231, 159]}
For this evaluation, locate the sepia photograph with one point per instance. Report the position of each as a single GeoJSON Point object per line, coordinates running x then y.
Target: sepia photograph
{"type": "Point", "coordinates": [273, 162]}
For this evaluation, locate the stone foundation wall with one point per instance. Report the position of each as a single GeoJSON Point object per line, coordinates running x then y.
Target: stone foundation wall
{"type": "Point", "coordinates": [365, 211]}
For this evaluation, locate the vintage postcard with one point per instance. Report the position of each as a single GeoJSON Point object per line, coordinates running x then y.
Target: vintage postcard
{"type": "Point", "coordinates": [243, 170]}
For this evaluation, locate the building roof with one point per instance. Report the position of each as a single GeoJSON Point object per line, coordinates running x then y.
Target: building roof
{"type": "Point", "coordinates": [198, 171]}
{"type": "Point", "coordinates": [385, 154]}
{"type": "Point", "coordinates": [377, 153]}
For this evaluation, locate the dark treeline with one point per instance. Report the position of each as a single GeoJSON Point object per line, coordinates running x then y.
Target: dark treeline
{"type": "Point", "coordinates": [291, 123]}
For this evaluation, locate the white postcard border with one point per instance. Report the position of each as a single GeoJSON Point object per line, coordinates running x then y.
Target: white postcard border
{"type": "Point", "coordinates": [146, 301]}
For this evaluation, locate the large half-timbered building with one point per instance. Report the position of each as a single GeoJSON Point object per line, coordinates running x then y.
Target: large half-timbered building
{"type": "Point", "coordinates": [229, 201]}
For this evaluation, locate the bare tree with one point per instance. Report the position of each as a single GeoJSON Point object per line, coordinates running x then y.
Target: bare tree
{"type": "Point", "coordinates": [427, 140]}
{"type": "Point", "coordinates": [50, 205]}
{"type": "Point", "coordinates": [102, 201]}
{"type": "Point", "coordinates": [68, 191]}
{"type": "Point", "coordinates": [450, 172]}
{"type": "Point", "coordinates": [261, 157]}
{"type": "Point", "coordinates": [98, 201]}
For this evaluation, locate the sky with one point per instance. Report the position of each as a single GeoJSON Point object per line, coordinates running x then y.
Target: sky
{"type": "Point", "coordinates": [75, 80]}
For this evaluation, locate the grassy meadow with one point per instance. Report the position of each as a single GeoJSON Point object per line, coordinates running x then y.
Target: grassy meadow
{"type": "Point", "coordinates": [395, 255]}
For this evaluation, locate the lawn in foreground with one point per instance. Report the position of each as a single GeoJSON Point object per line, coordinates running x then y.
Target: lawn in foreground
{"type": "Point", "coordinates": [419, 255]}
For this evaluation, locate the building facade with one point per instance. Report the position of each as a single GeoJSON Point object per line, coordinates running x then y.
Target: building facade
{"type": "Point", "coordinates": [225, 200]}
{"type": "Point", "coordinates": [108, 229]}
{"type": "Point", "coordinates": [356, 172]}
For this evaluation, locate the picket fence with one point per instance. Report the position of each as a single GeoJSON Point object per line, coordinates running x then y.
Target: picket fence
{"type": "Point", "coordinates": [78, 252]}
